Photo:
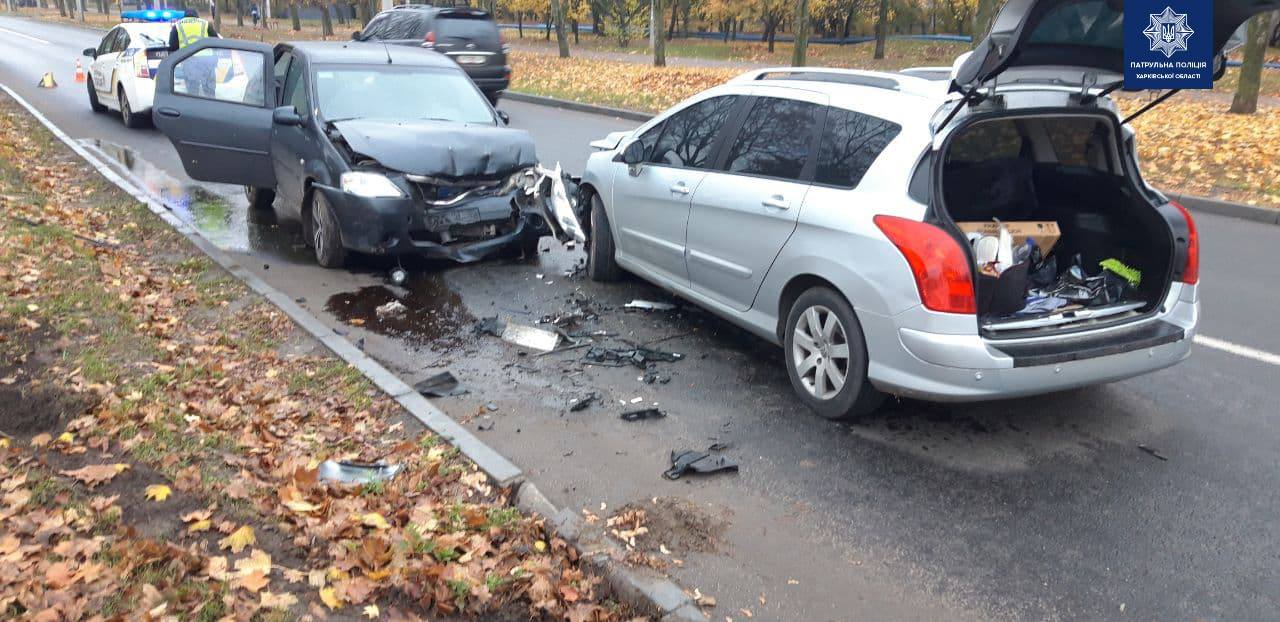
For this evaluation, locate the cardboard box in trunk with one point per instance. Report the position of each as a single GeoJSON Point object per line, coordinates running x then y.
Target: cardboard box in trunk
{"type": "Point", "coordinates": [1044, 232]}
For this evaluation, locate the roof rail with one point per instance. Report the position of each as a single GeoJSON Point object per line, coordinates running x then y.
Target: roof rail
{"type": "Point", "coordinates": [912, 85]}
{"type": "Point", "coordinates": [413, 6]}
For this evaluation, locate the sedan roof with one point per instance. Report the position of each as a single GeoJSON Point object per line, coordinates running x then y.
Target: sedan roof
{"type": "Point", "coordinates": [368, 53]}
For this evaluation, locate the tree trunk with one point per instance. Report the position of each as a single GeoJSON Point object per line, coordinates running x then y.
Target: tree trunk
{"type": "Point", "coordinates": [882, 28]}
{"type": "Point", "coordinates": [1255, 51]}
{"type": "Point", "coordinates": [659, 42]}
{"type": "Point", "coordinates": [546, 27]}
{"type": "Point", "coordinates": [848, 23]}
{"type": "Point", "coordinates": [575, 32]}
{"type": "Point", "coordinates": [801, 52]}
{"type": "Point", "coordinates": [342, 14]}
{"type": "Point", "coordinates": [557, 9]}
{"type": "Point", "coordinates": [217, 16]}
{"type": "Point", "coordinates": [62, 10]}
{"type": "Point", "coordinates": [520, 24]}
{"type": "Point", "coordinates": [675, 11]}
{"type": "Point", "coordinates": [326, 20]}
{"type": "Point", "coordinates": [294, 18]}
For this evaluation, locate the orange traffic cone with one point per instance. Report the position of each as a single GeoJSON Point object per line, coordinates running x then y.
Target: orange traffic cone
{"type": "Point", "coordinates": [79, 71]}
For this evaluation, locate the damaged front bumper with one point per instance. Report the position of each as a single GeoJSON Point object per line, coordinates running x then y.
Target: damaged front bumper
{"type": "Point", "coordinates": [465, 228]}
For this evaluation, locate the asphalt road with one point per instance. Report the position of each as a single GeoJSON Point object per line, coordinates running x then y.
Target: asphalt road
{"type": "Point", "coordinates": [1038, 508]}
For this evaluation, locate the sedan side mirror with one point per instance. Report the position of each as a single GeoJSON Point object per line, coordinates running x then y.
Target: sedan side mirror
{"type": "Point", "coordinates": [286, 115]}
{"type": "Point", "coordinates": [633, 154]}
{"type": "Point", "coordinates": [504, 117]}
{"type": "Point", "coordinates": [357, 36]}
{"type": "Point", "coordinates": [91, 52]}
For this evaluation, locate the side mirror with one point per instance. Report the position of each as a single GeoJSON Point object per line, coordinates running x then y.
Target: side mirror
{"type": "Point", "coordinates": [633, 154]}
{"type": "Point", "coordinates": [357, 36]}
{"type": "Point", "coordinates": [504, 117]}
{"type": "Point", "coordinates": [286, 115]}
{"type": "Point", "coordinates": [91, 52]}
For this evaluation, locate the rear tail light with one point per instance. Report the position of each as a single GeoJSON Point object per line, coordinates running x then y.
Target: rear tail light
{"type": "Point", "coordinates": [430, 39]}
{"type": "Point", "coordinates": [938, 263]}
{"type": "Point", "coordinates": [141, 66]}
{"type": "Point", "coordinates": [1191, 269]}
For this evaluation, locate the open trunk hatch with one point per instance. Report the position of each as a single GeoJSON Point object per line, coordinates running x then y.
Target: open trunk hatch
{"type": "Point", "coordinates": [1086, 245]}
{"type": "Point", "coordinates": [1042, 38]}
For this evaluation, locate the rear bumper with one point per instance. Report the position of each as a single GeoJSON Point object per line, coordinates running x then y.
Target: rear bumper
{"type": "Point", "coordinates": [400, 226]}
{"type": "Point", "coordinates": [961, 367]}
{"type": "Point", "coordinates": [492, 85]}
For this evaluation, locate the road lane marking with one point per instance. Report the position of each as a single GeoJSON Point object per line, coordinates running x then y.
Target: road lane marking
{"type": "Point", "coordinates": [1239, 350]}
{"type": "Point", "coordinates": [24, 36]}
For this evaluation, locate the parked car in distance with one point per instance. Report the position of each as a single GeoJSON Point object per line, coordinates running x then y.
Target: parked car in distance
{"type": "Point", "coordinates": [818, 208]}
{"type": "Point", "coordinates": [122, 69]}
{"type": "Point", "coordinates": [376, 149]}
{"type": "Point", "coordinates": [468, 36]}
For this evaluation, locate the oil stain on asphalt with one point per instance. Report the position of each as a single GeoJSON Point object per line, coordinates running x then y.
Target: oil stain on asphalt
{"type": "Point", "coordinates": [433, 315]}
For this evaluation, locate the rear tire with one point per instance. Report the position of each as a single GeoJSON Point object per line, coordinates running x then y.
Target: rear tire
{"type": "Point", "coordinates": [259, 198]}
{"type": "Point", "coordinates": [325, 237]}
{"type": "Point", "coordinates": [94, 104]}
{"type": "Point", "coordinates": [131, 119]}
{"type": "Point", "coordinates": [826, 356]}
{"type": "Point", "coordinates": [601, 265]}
{"type": "Point", "coordinates": [493, 97]}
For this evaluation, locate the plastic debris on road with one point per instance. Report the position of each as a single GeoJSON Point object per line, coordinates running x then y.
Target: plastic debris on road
{"type": "Point", "coordinates": [581, 403]}
{"type": "Point", "coordinates": [530, 337]}
{"type": "Point", "coordinates": [642, 414]}
{"type": "Point", "coordinates": [690, 461]}
{"type": "Point", "coordinates": [638, 356]}
{"type": "Point", "coordinates": [395, 308]}
{"type": "Point", "coordinates": [356, 472]}
{"type": "Point", "coordinates": [649, 305]}
{"type": "Point", "coordinates": [443, 384]}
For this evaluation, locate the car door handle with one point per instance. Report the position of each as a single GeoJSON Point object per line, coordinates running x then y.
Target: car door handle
{"type": "Point", "coordinates": [169, 112]}
{"type": "Point", "coordinates": [776, 201]}
{"type": "Point", "coordinates": [680, 188]}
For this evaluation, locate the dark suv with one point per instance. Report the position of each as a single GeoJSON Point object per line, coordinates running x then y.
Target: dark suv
{"type": "Point", "coordinates": [468, 36]}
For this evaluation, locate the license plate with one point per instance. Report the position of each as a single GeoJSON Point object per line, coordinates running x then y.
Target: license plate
{"type": "Point", "coordinates": [439, 220]}
{"type": "Point", "coordinates": [470, 59]}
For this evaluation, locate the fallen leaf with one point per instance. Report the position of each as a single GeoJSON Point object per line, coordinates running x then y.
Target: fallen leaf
{"type": "Point", "coordinates": [254, 581]}
{"type": "Point", "coordinates": [158, 492]}
{"type": "Point", "coordinates": [329, 597]}
{"type": "Point", "coordinates": [95, 474]}
{"type": "Point", "coordinates": [301, 506]}
{"type": "Point", "coordinates": [375, 520]}
{"type": "Point", "coordinates": [283, 600]}
{"type": "Point", "coordinates": [371, 612]}
{"type": "Point", "coordinates": [200, 525]}
{"type": "Point", "coordinates": [239, 539]}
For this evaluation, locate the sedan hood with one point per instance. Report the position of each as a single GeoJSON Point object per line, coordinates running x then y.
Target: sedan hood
{"type": "Point", "coordinates": [440, 148]}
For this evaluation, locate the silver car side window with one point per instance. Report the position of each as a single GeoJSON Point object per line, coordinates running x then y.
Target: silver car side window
{"type": "Point", "coordinates": [688, 138]}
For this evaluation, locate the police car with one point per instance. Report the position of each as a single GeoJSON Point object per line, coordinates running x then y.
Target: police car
{"type": "Point", "coordinates": [122, 68]}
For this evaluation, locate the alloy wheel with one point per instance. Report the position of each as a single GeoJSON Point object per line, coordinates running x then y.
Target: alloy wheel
{"type": "Point", "coordinates": [820, 352]}
{"type": "Point", "coordinates": [320, 229]}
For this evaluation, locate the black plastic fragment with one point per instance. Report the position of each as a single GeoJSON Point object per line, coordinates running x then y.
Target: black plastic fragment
{"type": "Point", "coordinates": [581, 403]}
{"type": "Point", "coordinates": [443, 384]}
{"type": "Point", "coordinates": [700, 462]}
{"type": "Point", "coordinates": [1153, 452]}
{"type": "Point", "coordinates": [642, 414]}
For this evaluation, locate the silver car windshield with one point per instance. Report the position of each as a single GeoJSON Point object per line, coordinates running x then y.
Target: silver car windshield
{"type": "Point", "coordinates": [399, 93]}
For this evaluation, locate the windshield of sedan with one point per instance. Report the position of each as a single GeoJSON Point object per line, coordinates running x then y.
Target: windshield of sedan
{"type": "Point", "coordinates": [399, 93]}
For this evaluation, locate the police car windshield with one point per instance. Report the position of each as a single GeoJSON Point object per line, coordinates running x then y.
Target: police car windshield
{"type": "Point", "coordinates": [359, 92]}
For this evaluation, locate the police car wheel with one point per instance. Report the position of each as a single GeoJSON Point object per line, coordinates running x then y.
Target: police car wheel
{"type": "Point", "coordinates": [131, 120]}
{"type": "Point", "coordinates": [94, 104]}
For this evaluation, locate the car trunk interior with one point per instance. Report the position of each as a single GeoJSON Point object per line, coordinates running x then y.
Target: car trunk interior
{"type": "Point", "coordinates": [1060, 182]}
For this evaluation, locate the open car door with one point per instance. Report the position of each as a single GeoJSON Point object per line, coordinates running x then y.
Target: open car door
{"type": "Point", "coordinates": [214, 100]}
{"type": "Point", "coordinates": [1064, 40]}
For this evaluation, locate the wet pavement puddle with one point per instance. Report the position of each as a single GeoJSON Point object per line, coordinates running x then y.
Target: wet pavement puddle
{"type": "Point", "coordinates": [220, 212]}
{"type": "Point", "coordinates": [433, 315]}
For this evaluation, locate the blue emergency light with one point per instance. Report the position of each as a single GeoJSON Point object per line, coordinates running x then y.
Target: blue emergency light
{"type": "Point", "coordinates": [152, 15]}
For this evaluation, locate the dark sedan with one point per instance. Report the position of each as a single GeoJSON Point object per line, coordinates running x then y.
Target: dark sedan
{"type": "Point", "coordinates": [376, 149]}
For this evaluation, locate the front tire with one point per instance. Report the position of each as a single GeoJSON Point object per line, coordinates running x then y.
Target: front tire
{"type": "Point", "coordinates": [259, 198]}
{"type": "Point", "coordinates": [94, 104]}
{"type": "Point", "coordinates": [601, 265]}
{"type": "Point", "coordinates": [131, 119]}
{"type": "Point", "coordinates": [827, 356]}
{"type": "Point", "coordinates": [326, 240]}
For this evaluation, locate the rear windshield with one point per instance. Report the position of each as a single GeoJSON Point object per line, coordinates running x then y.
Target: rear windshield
{"type": "Point", "coordinates": [344, 92]}
{"type": "Point", "coordinates": [471, 28]}
{"type": "Point", "coordinates": [1084, 22]}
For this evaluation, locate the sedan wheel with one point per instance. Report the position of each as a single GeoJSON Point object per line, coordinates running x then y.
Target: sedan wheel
{"type": "Point", "coordinates": [325, 237]}
{"type": "Point", "coordinates": [820, 351]}
{"type": "Point", "coordinates": [827, 356]}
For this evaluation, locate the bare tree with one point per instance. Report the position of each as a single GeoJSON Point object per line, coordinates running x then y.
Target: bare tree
{"type": "Point", "coordinates": [659, 41]}
{"type": "Point", "coordinates": [882, 27]}
{"type": "Point", "coordinates": [557, 8]}
{"type": "Point", "coordinates": [801, 52]}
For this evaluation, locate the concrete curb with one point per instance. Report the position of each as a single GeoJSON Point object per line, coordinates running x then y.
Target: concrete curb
{"type": "Point", "coordinates": [644, 590]}
{"type": "Point", "coordinates": [630, 115]}
{"type": "Point", "coordinates": [498, 468]}
{"type": "Point", "coordinates": [1196, 204]}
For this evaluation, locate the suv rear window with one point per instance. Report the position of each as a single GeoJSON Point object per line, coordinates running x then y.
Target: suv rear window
{"type": "Point", "coordinates": [851, 143]}
{"type": "Point", "coordinates": [478, 29]}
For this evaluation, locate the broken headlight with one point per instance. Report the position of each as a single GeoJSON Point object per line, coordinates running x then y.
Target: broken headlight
{"type": "Point", "coordinates": [370, 185]}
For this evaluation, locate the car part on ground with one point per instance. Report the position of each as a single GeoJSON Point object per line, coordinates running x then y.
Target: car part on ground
{"type": "Point", "coordinates": [700, 462]}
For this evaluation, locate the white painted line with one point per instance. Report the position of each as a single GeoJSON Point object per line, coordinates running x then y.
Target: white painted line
{"type": "Point", "coordinates": [14, 32]}
{"type": "Point", "coordinates": [1261, 356]}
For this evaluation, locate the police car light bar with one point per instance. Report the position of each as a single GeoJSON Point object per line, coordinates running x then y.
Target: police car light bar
{"type": "Point", "coordinates": [152, 15]}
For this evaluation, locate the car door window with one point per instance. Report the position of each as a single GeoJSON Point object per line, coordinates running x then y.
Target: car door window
{"type": "Point", "coordinates": [688, 137]}
{"type": "Point", "coordinates": [295, 89]}
{"type": "Point", "coordinates": [376, 27]}
{"type": "Point", "coordinates": [775, 139]}
{"type": "Point", "coordinates": [122, 41]}
{"type": "Point", "coordinates": [220, 74]}
{"type": "Point", "coordinates": [401, 25]}
{"type": "Point", "coordinates": [104, 46]}
{"type": "Point", "coordinates": [851, 142]}
{"type": "Point", "coordinates": [281, 70]}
